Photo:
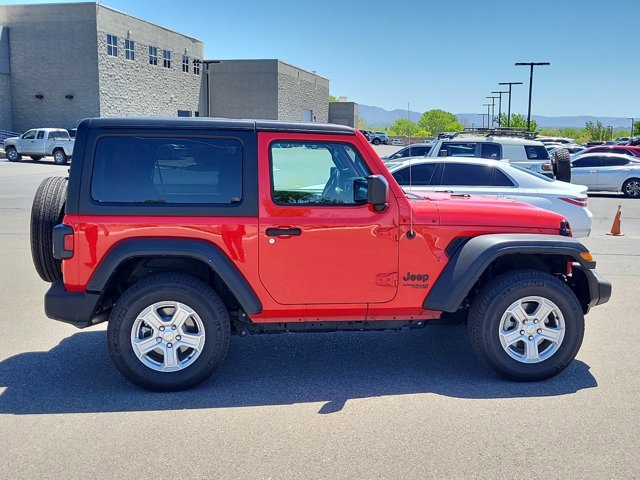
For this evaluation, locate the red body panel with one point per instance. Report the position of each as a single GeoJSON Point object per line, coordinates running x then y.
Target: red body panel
{"type": "Point", "coordinates": [349, 263]}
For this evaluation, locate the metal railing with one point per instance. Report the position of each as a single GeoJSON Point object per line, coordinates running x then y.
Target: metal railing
{"type": "Point", "coordinates": [4, 134]}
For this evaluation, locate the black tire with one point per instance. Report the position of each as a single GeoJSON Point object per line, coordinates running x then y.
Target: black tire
{"type": "Point", "coordinates": [59, 157]}
{"type": "Point", "coordinates": [36, 158]}
{"type": "Point", "coordinates": [563, 165]}
{"type": "Point", "coordinates": [486, 322]}
{"type": "Point", "coordinates": [47, 212]}
{"type": "Point", "coordinates": [376, 141]}
{"type": "Point", "coordinates": [631, 188]}
{"type": "Point", "coordinates": [169, 287]}
{"type": "Point", "coordinates": [12, 154]}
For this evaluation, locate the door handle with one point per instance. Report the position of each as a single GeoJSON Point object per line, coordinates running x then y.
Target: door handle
{"type": "Point", "coordinates": [281, 232]}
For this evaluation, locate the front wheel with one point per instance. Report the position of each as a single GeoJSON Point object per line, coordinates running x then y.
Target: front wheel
{"type": "Point", "coordinates": [376, 141]}
{"type": "Point", "coordinates": [527, 325]}
{"type": "Point", "coordinates": [12, 154]}
{"type": "Point", "coordinates": [631, 188]}
{"type": "Point", "coordinates": [168, 332]}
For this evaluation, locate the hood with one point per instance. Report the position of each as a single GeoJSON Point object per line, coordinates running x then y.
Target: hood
{"type": "Point", "coordinates": [477, 211]}
{"type": "Point", "coordinates": [11, 139]}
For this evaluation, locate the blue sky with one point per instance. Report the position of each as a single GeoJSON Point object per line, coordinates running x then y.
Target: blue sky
{"type": "Point", "coordinates": [431, 54]}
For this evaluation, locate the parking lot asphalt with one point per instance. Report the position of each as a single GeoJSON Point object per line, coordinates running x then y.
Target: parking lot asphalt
{"type": "Point", "coordinates": [345, 405]}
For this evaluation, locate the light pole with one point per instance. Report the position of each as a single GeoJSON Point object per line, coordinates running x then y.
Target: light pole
{"type": "Point", "coordinates": [499, 108]}
{"type": "Point", "coordinates": [486, 105]}
{"type": "Point", "coordinates": [493, 109]}
{"type": "Point", "coordinates": [531, 65]}
{"type": "Point", "coordinates": [631, 134]}
{"type": "Point", "coordinates": [509, 83]}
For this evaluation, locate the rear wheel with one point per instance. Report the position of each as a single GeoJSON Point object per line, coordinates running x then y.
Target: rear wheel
{"type": "Point", "coordinates": [376, 141]}
{"type": "Point", "coordinates": [168, 332]}
{"type": "Point", "coordinates": [527, 325]}
{"type": "Point", "coordinates": [631, 188]}
{"type": "Point", "coordinates": [12, 154]}
{"type": "Point", "coordinates": [47, 212]}
{"type": "Point", "coordinates": [59, 157]}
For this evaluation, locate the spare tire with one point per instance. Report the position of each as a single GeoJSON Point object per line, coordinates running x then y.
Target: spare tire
{"type": "Point", "coordinates": [47, 212]}
{"type": "Point", "coordinates": [563, 165]}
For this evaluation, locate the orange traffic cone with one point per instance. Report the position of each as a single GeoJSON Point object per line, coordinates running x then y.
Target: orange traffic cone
{"type": "Point", "coordinates": [615, 227]}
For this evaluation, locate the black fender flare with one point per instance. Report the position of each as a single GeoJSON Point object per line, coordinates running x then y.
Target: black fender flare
{"type": "Point", "coordinates": [469, 262]}
{"type": "Point", "coordinates": [204, 251]}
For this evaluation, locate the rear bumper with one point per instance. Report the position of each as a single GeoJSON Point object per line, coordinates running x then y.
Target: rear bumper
{"type": "Point", "coordinates": [75, 308]}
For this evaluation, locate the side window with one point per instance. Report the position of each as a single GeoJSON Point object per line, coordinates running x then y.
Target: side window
{"type": "Point", "coordinates": [500, 179]}
{"type": "Point", "coordinates": [467, 175]}
{"type": "Point", "coordinates": [314, 173]}
{"type": "Point", "coordinates": [417, 175]}
{"type": "Point", "coordinates": [420, 151]}
{"type": "Point", "coordinates": [30, 135]}
{"type": "Point", "coordinates": [490, 150]}
{"type": "Point", "coordinates": [616, 162]}
{"type": "Point", "coordinates": [457, 150]}
{"type": "Point", "coordinates": [167, 170]}
{"type": "Point", "coordinates": [40, 135]}
{"type": "Point", "coordinates": [587, 162]}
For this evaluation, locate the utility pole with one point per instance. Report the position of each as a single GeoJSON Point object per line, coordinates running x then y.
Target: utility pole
{"type": "Point", "coordinates": [493, 109]}
{"type": "Point", "coordinates": [499, 108]}
{"type": "Point", "coordinates": [509, 83]}
{"type": "Point", "coordinates": [531, 65]}
{"type": "Point", "coordinates": [631, 134]}
{"type": "Point", "coordinates": [486, 105]}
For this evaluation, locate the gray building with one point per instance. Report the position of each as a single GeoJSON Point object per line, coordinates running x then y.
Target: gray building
{"type": "Point", "coordinates": [60, 63]}
{"type": "Point", "coordinates": [266, 89]}
{"type": "Point", "coordinates": [344, 113]}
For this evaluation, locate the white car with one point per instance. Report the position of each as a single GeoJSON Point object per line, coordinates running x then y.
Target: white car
{"type": "Point", "coordinates": [610, 172]}
{"type": "Point", "coordinates": [498, 179]}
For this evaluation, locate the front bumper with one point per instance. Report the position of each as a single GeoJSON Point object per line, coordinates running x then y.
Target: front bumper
{"type": "Point", "coordinates": [75, 308]}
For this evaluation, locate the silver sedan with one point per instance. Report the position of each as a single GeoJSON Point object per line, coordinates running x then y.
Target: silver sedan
{"type": "Point", "coordinates": [609, 172]}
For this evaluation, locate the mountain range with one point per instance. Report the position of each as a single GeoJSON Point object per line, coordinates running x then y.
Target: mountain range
{"type": "Point", "coordinates": [379, 117]}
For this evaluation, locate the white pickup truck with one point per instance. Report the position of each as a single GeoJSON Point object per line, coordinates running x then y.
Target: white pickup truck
{"type": "Point", "coordinates": [40, 142]}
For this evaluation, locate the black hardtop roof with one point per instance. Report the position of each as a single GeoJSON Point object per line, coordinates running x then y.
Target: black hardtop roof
{"type": "Point", "coordinates": [217, 123]}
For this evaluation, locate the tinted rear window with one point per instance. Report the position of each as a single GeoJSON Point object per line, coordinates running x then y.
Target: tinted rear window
{"type": "Point", "coordinates": [536, 152]}
{"type": "Point", "coordinates": [171, 171]}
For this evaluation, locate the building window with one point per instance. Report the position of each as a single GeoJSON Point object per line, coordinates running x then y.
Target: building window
{"type": "Point", "coordinates": [196, 66]}
{"type": "Point", "coordinates": [129, 49]}
{"type": "Point", "coordinates": [153, 55]}
{"type": "Point", "coordinates": [185, 63]}
{"type": "Point", "coordinates": [112, 45]}
{"type": "Point", "coordinates": [184, 113]}
{"type": "Point", "coordinates": [166, 59]}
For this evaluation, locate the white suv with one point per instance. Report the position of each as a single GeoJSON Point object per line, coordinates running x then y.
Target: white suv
{"type": "Point", "coordinates": [522, 152]}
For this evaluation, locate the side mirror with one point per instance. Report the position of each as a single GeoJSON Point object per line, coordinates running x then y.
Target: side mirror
{"type": "Point", "coordinates": [377, 192]}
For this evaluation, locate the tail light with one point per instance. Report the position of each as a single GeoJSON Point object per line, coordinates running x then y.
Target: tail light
{"type": "Point", "coordinates": [547, 167]}
{"type": "Point", "coordinates": [579, 201]}
{"type": "Point", "coordinates": [62, 241]}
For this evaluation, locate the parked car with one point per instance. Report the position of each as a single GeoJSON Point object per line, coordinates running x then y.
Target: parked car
{"type": "Point", "coordinates": [397, 141]}
{"type": "Point", "coordinates": [366, 133]}
{"type": "Point", "coordinates": [561, 140]}
{"type": "Point", "coordinates": [623, 149]}
{"type": "Point", "coordinates": [610, 172]}
{"type": "Point", "coordinates": [594, 144]}
{"type": "Point", "coordinates": [378, 137]}
{"type": "Point", "coordinates": [40, 142]}
{"type": "Point", "coordinates": [413, 150]}
{"type": "Point", "coordinates": [493, 178]}
{"type": "Point", "coordinates": [519, 151]}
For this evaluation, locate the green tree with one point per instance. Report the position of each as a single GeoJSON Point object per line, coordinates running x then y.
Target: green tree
{"type": "Point", "coordinates": [636, 128]}
{"type": "Point", "coordinates": [597, 132]}
{"type": "Point", "coordinates": [402, 126]}
{"type": "Point", "coordinates": [333, 99]}
{"type": "Point", "coordinates": [436, 121]}
{"type": "Point", "coordinates": [518, 121]}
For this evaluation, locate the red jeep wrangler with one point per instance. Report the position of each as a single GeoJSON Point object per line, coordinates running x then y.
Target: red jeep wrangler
{"type": "Point", "coordinates": [180, 232]}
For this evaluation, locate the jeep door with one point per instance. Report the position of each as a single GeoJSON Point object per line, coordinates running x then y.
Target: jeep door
{"type": "Point", "coordinates": [317, 244]}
